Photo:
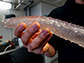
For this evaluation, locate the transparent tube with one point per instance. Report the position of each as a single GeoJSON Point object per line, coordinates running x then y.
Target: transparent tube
{"type": "Point", "coordinates": [65, 30]}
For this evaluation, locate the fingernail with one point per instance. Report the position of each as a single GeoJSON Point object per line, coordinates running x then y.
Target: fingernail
{"type": "Point", "coordinates": [46, 32]}
{"type": "Point", "coordinates": [35, 26]}
{"type": "Point", "coordinates": [21, 26]}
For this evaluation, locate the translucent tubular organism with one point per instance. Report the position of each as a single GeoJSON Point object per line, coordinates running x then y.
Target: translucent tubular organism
{"type": "Point", "coordinates": [65, 30]}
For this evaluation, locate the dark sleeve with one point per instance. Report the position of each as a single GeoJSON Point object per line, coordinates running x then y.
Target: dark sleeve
{"type": "Point", "coordinates": [54, 14]}
{"type": "Point", "coordinates": [56, 41]}
{"type": "Point", "coordinates": [21, 55]}
{"type": "Point", "coordinates": [58, 13]}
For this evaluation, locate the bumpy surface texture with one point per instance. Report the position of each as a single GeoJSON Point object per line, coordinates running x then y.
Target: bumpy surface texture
{"type": "Point", "coordinates": [65, 30]}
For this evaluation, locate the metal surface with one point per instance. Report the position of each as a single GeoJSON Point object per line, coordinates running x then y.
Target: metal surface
{"type": "Point", "coordinates": [54, 2]}
{"type": "Point", "coordinates": [25, 2]}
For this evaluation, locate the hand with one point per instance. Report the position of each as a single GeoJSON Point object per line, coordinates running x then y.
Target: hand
{"type": "Point", "coordinates": [34, 39]}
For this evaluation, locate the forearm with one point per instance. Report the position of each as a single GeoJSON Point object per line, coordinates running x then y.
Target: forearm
{"type": "Point", "coordinates": [51, 51]}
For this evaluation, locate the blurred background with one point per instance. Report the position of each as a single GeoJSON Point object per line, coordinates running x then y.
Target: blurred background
{"type": "Point", "coordinates": [17, 8]}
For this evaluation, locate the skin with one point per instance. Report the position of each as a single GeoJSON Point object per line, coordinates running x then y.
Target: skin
{"type": "Point", "coordinates": [79, 1]}
{"type": "Point", "coordinates": [35, 40]}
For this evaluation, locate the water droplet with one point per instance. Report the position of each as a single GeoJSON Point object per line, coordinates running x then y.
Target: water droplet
{"type": "Point", "coordinates": [56, 22]}
{"type": "Point", "coordinates": [76, 31]}
{"type": "Point", "coordinates": [7, 20]}
{"type": "Point", "coordinates": [52, 21]}
{"type": "Point", "coordinates": [58, 25]}
{"type": "Point", "coordinates": [43, 20]}
{"type": "Point", "coordinates": [66, 39]}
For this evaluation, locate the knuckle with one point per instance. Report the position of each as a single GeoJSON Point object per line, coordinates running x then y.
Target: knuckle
{"type": "Point", "coordinates": [35, 44]}
{"type": "Point", "coordinates": [32, 47]}
{"type": "Point", "coordinates": [29, 50]}
{"type": "Point", "coordinates": [23, 40]}
{"type": "Point", "coordinates": [37, 51]}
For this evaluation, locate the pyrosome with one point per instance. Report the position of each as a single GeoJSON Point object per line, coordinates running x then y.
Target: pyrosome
{"type": "Point", "coordinates": [68, 31]}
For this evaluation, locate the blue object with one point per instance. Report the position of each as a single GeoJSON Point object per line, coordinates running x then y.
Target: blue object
{"type": "Point", "coordinates": [4, 43]}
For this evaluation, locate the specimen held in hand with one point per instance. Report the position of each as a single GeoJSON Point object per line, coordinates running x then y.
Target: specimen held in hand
{"type": "Point", "coordinates": [63, 29]}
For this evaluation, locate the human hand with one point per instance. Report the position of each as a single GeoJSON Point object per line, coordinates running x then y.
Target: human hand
{"type": "Point", "coordinates": [34, 39]}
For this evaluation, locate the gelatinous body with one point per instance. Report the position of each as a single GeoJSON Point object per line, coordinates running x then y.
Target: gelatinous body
{"type": "Point", "coordinates": [65, 30]}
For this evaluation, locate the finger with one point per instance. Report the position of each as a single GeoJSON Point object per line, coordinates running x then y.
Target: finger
{"type": "Point", "coordinates": [19, 29]}
{"type": "Point", "coordinates": [40, 50]}
{"type": "Point", "coordinates": [43, 46]}
{"type": "Point", "coordinates": [34, 36]}
{"type": "Point", "coordinates": [36, 51]}
{"type": "Point", "coordinates": [46, 40]}
{"type": "Point", "coordinates": [39, 39]}
{"type": "Point", "coordinates": [29, 32]}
